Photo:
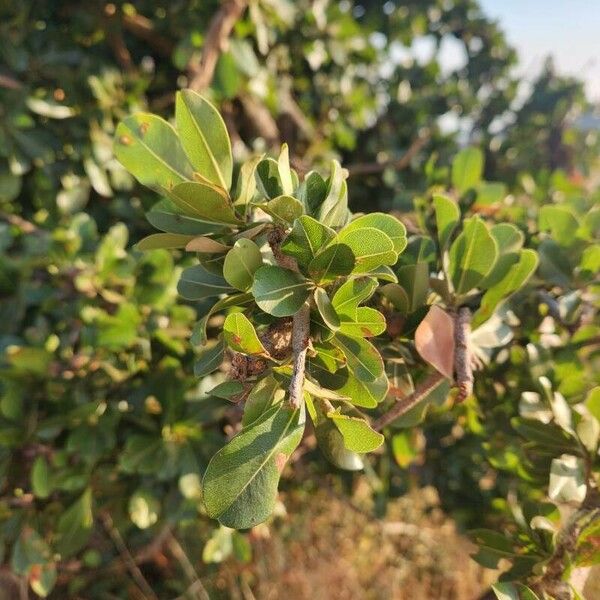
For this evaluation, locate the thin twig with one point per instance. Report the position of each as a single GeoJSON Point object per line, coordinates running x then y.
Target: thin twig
{"type": "Point", "coordinates": [143, 28]}
{"type": "Point", "coordinates": [10, 83]}
{"type": "Point", "coordinates": [218, 32]}
{"type": "Point", "coordinates": [300, 323]}
{"type": "Point", "coordinates": [463, 370]}
{"type": "Point", "coordinates": [126, 556]}
{"type": "Point", "coordinates": [405, 404]}
{"type": "Point", "coordinates": [397, 164]}
{"type": "Point", "coordinates": [196, 589]}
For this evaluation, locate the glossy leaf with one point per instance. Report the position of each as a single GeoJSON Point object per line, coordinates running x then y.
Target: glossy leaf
{"type": "Point", "coordinates": [447, 217]}
{"type": "Point", "coordinates": [279, 292]}
{"type": "Point", "coordinates": [266, 392]}
{"type": "Point", "coordinates": [363, 322]}
{"type": "Point", "coordinates": [203, 201]}
{"type": "Point", "coordinates": [357, 433]}
{"type": "Point", "coordinates": [241, 263]}
{"type": "Point", "coordinates": [284, 209]}
{"type": "Point", "coordinates": [335, 261]}
{"type": "Point", "coordinates": [333, 211]}
{"type": "Point", "coordinates": [371, 247]}
{"type": "Point", "coordinates": [391, 226]}
{"type": "Point", "coordinates": [472, 256]}
{"type": "Point", "coordinates": [240, 335]}
{"type": "Point", "coordinates": [510, 241]}
{"type": "Point", "coordinates": [306, 239]}
{"type": "Point", "coordinates": [149, 148]}
{"type": "Point", "coordinates": [352, 293]}
{"type": "Point", "coordinates": [363, 358]}
{"type": "Point", "coordinates": [515, 278]}
{"type": "Point", "coordinates": [204, 137]}
{"type": "Point", "coordinates": [326, 310]}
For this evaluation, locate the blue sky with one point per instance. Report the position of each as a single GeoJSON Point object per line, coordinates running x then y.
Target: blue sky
{"type": "Point", "coordinates": [567, 29]}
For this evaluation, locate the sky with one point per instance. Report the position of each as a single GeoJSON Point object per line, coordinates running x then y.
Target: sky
{"type": "Point", "coordinates": [569, 30]}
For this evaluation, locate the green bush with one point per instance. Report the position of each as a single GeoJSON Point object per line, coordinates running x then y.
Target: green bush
{"type": "Point", "coordinates": [109, 416]}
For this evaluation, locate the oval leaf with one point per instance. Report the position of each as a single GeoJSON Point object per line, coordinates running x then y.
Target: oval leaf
{"type": "Point", "coordinates": [241, 336]}
{"type": "Point", "coordinates": [279, 292]}
{"type": "Point", "coordinates": [240, 483]}
{"type": "Point", "coordinates": [204, 137]}
{"type": "Point", "coordinates": [204, 201]}
{"type": "Point", "coordinates": [241, 262]}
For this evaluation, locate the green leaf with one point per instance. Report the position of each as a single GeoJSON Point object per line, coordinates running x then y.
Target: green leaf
{"type": "Point", "coordinates": [204, 137]}
{"type": "Point", "coordinates": [335, 261]}
{"type": "Point", "coordinates": [267, 178]}
{"type": "Point", "coordinates": [245, 187]}
{"type": "Point", "coordinates": [397, 295]}
{"type": "Point", "coordinates": [306, 239]}
{"type": "Point", "coordinates": [367, 394]}
{"type": "Point", "coordinates": [391, 226]}
{"type": "Point", "coordinates": [383, 273]}
{"type": "Point", "coordinates": [197, 283]}
{"type": "Point", "coordinates": [371, 247]}
{"type": "Point", "coordinates": [414, 280]}
{"type": "Point", "coordinates": [241, 263]}
{"type": "Point", "coordinates": [263, 395]}
{"type": "Point", "coordinates": [165, 217]}
{"type": "Point", "coordinates": [241, 336]}
{"type": "Point", "coordinates": [472, 256]}
{"type": "Point", "coordinates": [209, 360]}
{"type": "Point", "coordinates": [333, 212]}
{"type": "Point", "coordinates": [364, 322]}
{"type": "Point", "coordinates": [509, 240]}
{"type": "Point", "coordinates": [560, 222]}
{"type": "Point", "coordinates": [203, 201]}
{"type": "Point", "coordinates": [352, 293]}
{"type": "Point", "coordinates": [593, 402]}
{"type": "Point", "coordinates": [447, 217]}
{"type": "Point", "coordinates": [436, 397]}
{"type": "Point", "coordinates": [467, 168]}
{"type": "Point", "coordinates": [515, 278]}
{"type": "Point", "coordinates": [284, 209]}
{"type": "Point", "coordinates": [330, 439]}
{"type": "Point", "coordinates": [279, 292]}
{"type": "Point", "coordinates": [144, 509]}
{"type": "Point", "coordinates": [148, 147]}
{"type": "Point", "coordinates": [326, 310]}
{"type": "Point", "coordinates": [206, 245]}
{"type": "Point", "coordinates": [240, 482]}
{"type": "Point", "coordinates": [285, 174]}
{"type": "Point", "coordinates": [312, 191]}
{"type": "Point", "coordinates": [357, 433]}
{"type": "Point", "coordinates": [163, 240]}
{"type": "Point", "coordinates": [75, 525]}
{"type": "Point", "coordinates": [364, 361]}
{"type": "Point", "coordinates": [199, 332]}
{"type": "Point", "coordinates": [40, 478]}
{"type": "Point", "coordinates": [228, 390]}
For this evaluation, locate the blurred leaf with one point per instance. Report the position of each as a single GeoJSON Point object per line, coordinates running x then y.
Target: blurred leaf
{"type": "Point", "coordinates": [467, 168]}
{"type": "Point", "coordinates": [447, 217]}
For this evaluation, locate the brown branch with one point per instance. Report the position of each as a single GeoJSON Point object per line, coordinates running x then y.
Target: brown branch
{"type": "Point", "coordinates": [196, 589]}
{"type": "Point", "coordinates": [260, 119]}
{"type": "Point", "coordinates": [398, 164]}
{"type": "Point", "coordinates": [114, 37]}
{"type": "Point", "coordinates": [217, 35]}
{"type": "Point", "coordinates": [143, 29]}
{"type": "Point", "coordinates": [463, 370]}
{"type": "Point", "coordinates": [300, 324]}
{"type": "Point", "coordinates": [405, 404]}
{"type": "Point", "coordinates": [126, 556]}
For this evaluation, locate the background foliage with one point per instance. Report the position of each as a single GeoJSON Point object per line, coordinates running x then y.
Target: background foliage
{"type": "Point", "coordinates": [104, 430]}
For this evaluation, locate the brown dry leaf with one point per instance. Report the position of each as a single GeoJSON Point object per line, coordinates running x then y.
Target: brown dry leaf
{"type": "Point", "coordinates": [434, 339]}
